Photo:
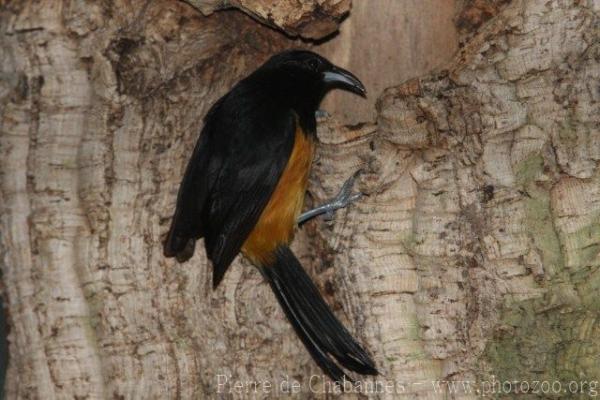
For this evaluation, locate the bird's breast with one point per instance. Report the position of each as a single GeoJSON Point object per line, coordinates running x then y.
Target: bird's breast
{"type": "Point", "coordinates": [277, 222]}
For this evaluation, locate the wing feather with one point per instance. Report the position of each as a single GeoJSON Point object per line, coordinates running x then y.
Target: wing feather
{"type": "Point", "coordinates": [244, 188]}
{"type": "Point", "coordinates": [242, 151]}
{"type": "Point", "coordinates": [186, 225]}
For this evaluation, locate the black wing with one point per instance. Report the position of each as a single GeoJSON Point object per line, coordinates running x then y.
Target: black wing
{"type": "Point", "coordinates": [240, 155]}
{"type": "Point", "coordinates": [187, 225]}
{"type": "Point", "coordinates": [247, 179]}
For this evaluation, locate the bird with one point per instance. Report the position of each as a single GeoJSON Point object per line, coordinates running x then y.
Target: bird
{"type": "Point", "coordinates": [243, 192]}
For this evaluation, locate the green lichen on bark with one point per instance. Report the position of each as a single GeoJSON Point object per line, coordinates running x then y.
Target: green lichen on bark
{"type": "Point", "coordinates": [546, 345]}
{"type": "Point", "coordinates": [529, 169]}
{"type": "Point", "coordinates": [538, 221]}
{"type": "Point", "coordinates": [584, 245]}
{"type": "Point", "coordinates": [551, 337]}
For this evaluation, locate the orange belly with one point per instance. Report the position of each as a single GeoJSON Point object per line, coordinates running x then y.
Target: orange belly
{"type": "Point", "coordinates": [277, 222]}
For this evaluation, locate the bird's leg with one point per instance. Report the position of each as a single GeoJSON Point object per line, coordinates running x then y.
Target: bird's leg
{"type": "Point", "coordinates": [344, 198]}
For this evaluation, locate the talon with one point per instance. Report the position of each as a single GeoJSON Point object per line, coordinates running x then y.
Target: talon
{"type": "Point", "coordinates": [356, 196]}
{"type": "Point", "coordinates": [344, 198]}
{"type": "Point", "coordinates": [353, 198]}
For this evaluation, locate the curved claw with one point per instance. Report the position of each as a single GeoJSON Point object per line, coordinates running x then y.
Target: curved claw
{"type": "Point", "coordinates": [344, 199]}
{"type": "Point", "coordinates": [349, 184]}
{"type": "Point", "coordinates": [355, 197]}
{"type": "Point", "coordinates": [345, 195]}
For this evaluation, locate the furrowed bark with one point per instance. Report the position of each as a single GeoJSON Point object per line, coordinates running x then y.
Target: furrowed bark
{"type": "Point", "coordinates": [309, 19]}
{"type": "Point", "coordinates": [475, 257]}
{"type": "Point", "coordinates": [99, 112]}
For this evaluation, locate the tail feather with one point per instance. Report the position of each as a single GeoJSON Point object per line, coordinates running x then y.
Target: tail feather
{"type": "Point", "coordinates": [320, 331]}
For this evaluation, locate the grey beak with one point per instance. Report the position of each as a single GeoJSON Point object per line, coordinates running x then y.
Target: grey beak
{"type": "Point", "coordinates": [338, 77]}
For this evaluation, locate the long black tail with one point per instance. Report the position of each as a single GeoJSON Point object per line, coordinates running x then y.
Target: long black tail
{"type": "Point", "coordinates": [321, 332]}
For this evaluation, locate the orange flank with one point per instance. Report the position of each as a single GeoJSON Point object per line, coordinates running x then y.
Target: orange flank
{"type": "Point", "coordinates": [277, 222]}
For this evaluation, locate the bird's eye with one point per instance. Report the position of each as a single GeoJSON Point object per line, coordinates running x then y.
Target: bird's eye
{"type": "Point", "coordinates": [313, 64]}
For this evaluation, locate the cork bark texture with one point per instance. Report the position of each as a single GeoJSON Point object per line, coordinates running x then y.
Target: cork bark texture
{"type": "Point", "coordinates": [308, 19]}
{"type": "Point", "coordinates": [474, 254]}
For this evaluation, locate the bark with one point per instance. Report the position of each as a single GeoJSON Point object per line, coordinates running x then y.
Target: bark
{"type": "Point", "coordinates": [99, 112]}
{"type": "Point", "coordinates": [386, 45]}
{"type": "Point", "coordinates": [309, 19]}
{"type": "Point", "coordinates": [474, 13]}
{"type": "Point", "coordinates": [475, 254]}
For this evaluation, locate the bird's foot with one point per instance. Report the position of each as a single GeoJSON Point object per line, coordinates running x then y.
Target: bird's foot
{"type": "Point", "coordinates": [344, 198]}
{"type": "Point", "coordinates": [321, 114]}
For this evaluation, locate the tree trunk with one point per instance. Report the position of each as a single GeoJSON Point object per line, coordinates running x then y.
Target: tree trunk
{"type": "Point", "coordinates": [474, 258]}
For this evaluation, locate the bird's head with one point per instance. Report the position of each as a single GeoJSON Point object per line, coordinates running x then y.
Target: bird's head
{"type": "Point", "coordinates": [308, 76]}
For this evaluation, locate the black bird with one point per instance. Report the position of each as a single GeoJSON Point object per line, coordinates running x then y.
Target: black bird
{"type": "Point", "coordinates": [243, 190]}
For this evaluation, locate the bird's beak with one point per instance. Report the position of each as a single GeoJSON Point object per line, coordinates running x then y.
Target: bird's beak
{"type": "Point", "coordinates": [338, 77]}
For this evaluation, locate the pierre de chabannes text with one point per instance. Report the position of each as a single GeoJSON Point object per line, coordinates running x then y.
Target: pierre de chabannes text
{"type": "Point", "coordinates": [225, 383]}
